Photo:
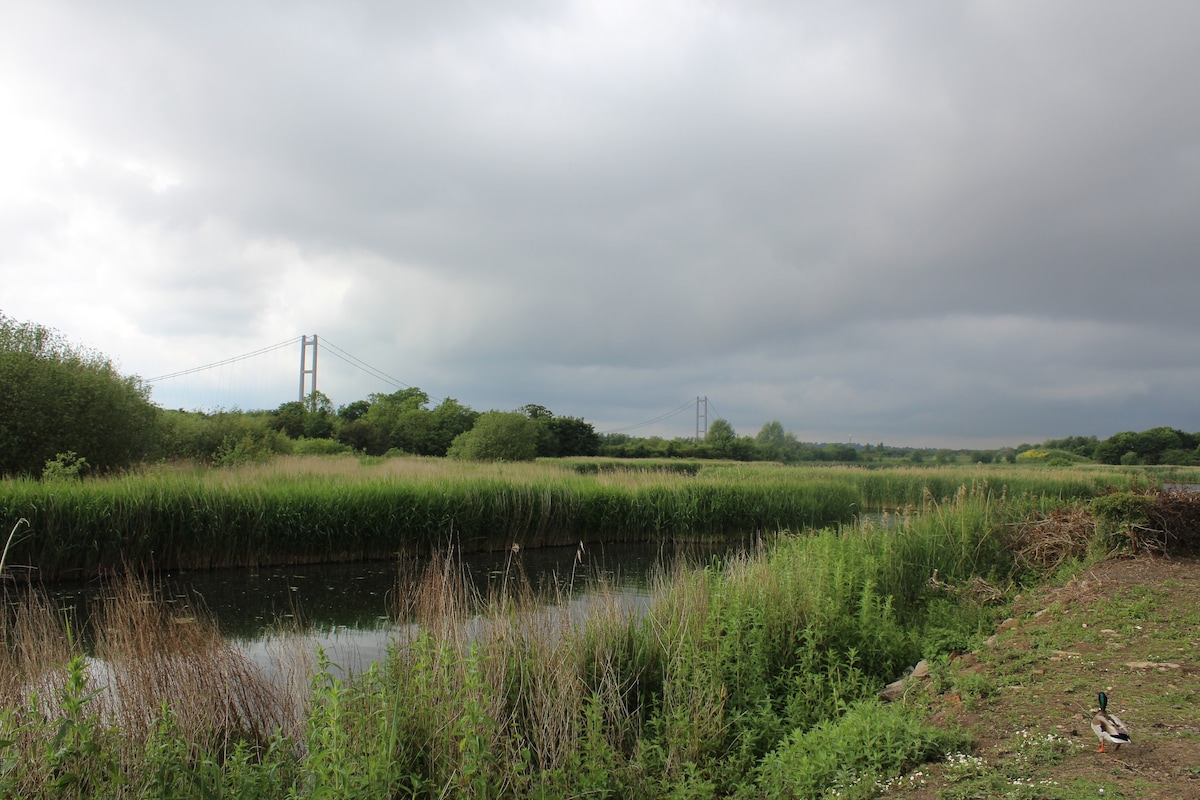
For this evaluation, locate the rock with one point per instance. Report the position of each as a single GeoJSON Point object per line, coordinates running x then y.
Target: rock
{"type": "Point", "coordinates": [895, 689]}
{"type": "Point", "coordinates": [1159, 665]}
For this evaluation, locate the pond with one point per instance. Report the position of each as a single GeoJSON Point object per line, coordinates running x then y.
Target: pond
{"type": "Point", "coordinates": [352, 610]}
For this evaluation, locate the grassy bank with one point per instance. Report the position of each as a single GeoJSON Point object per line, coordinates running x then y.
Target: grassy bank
{"type": "Point", "coordinates": [757, 678]}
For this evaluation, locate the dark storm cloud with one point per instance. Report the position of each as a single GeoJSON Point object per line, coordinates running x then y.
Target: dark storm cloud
{"type": "Point", "coordinates": [952, 221]}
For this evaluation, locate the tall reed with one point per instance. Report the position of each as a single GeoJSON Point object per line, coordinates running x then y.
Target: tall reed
{"type": "Point", "coordinates": [153, 680]}
{"type": "Point", "coordinates": [337, 510]}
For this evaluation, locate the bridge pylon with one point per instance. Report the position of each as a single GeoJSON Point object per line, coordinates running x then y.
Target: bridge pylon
{"type": "Point", "coordinates": [304, 371]}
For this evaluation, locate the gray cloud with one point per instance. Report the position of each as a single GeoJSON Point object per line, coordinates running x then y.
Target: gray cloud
{"type": "Point", "coordinates": [949, 224]}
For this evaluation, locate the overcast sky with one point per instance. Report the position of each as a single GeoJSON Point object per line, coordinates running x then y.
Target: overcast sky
{"type": "Point", "coordinates": [932, 223]}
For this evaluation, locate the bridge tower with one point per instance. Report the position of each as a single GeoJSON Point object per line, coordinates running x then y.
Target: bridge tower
{"type": "Point", "coordinates": [304, 345]}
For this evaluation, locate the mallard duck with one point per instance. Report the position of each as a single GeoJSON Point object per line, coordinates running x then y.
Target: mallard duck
{"type": "Point", "coordinates": [1108, 727]}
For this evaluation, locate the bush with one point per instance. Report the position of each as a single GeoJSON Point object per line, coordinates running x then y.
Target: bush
{"type": "Point", "coordinates": [1122, 510]}
{"type": "Point", "coordinates": [64, 467]}
{"type": "Point", "coordinates": [320, 447]}
{"type": "Point", "coordinates": [498, 436]}
{"type": "Point", "coordinates": [59, 398]}
{"type": "Point", "coordinates": [871, 741]}
{"type": "Point", "coordinates": [249, 449]}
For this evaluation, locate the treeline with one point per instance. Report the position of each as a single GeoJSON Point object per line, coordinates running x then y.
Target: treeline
{"type": "Point", "coordinates": [398, 423]}
{"type": "Point", "coordinates": [58, 398]}
{"type": "Point", "coordinates": [65, 410]}
{"type": "Point", "coordinates": [771, 443]}
{"type": "Point", "coordinates": [1155, 446]}
{"type": "Point", "coordinates": [68, 409]}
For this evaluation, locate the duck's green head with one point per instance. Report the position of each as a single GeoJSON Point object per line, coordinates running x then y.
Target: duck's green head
{"type": "Point", "coordinates": [1103, 701]}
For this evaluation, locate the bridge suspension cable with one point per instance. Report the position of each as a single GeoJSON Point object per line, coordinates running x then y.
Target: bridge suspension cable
{"type": "Point", "coordinates": [363, 366]}
{"type": "Point", "coordinates": [289, 343]}
{"type": "Point", "coordinates": [659, 418]}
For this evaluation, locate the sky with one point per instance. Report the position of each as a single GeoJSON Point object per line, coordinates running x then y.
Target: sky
{"type": "Point", "coordinates": [939, 224]}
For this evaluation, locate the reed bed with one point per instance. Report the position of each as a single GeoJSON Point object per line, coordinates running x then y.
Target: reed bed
{"type": "Point", "coordinates": [340, 509]}
{"type": "Point", "coordinates": [751, 678]}
{"type": "Point", "coordinates": [901, 487]}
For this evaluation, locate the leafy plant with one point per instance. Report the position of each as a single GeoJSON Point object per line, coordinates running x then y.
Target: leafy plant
{"type": "Point", "coordinates": [64, 467]}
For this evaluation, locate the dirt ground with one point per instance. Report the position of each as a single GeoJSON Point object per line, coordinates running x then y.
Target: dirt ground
{"type": "Point", "coordinates": [1127, 626]}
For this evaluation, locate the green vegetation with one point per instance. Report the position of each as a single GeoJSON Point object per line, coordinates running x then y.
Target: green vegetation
{"type": "Point", "coordinates": [58, 398]}
{"type": "Point", "coordinates": [343, 509]}
{"type": "Point", "coordinates": [1166, 446]}
{"type": "Point", "coordinates": [498, 436]}
{"type": "Point", "coordinates": [755, 678]}
{"type": "Point", "coordinates": [72, 400]}
{"type": "Point", "coordinates": [346, 508]}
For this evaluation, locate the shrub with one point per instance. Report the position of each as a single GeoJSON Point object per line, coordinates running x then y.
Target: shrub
{"type": "Point", "coordinates": [871, 741]}
{"type": "Point", "coordinates": [320, 447]}
{"type": "Point", "coordinates": [64, 467]}
{"type": "Point", "coordinates": [58, 397]}
{"type": "Point", "coordinates": [498, 436]}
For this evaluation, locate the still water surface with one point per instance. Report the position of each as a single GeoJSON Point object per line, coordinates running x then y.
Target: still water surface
{"type": "Point", "coordinates": [351, 609]}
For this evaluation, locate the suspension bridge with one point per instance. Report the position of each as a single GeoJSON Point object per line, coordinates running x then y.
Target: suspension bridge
{"type": "Point", "coordinates": [258, 380]}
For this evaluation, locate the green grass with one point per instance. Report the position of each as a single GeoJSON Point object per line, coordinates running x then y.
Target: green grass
{"type": "Point", "coordinates": [341, 508]}
{"type": "Point", "coordinates": [752, 678]}
{"type": "Point", "coordinates": [338, 509]}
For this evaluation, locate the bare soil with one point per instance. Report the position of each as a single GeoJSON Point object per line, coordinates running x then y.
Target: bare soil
{"type": "Point", "coordinates": [1127, 626]}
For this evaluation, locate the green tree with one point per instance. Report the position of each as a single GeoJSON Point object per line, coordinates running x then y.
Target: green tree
{"type": "Point", "coordinates": [364, 437]}
{"type": "Point", "coordinates": [402, 417]}
{"type": "Point", "coordinates": [837, 452]}
{"type": "Point", "coordinates": [450, 419]}
{"type": "Point", "coordinates": [1146, 447]}
{"type": "Point", "coordinates": [1151, 444]}
{"type": "Point", "coordinates": [574, 436]}
{"type": "Point", "coordinates": [320, 420]}
{"type": "Point", "coordinates": [721, 437]}
{"type": "Point", "coordinates": [541, 417]}
{"type": "Point", "coordinates": [312, 418]}
{"type": "Point", "coordinates": [352, 411]}
{"type": "Point", "coordinates": [498, 436]}
{"type": "Point", "coordinates": [56, 398]}
{"type": "Point", "coordinates": [536, 412]}
{"type": "Point", "coordinates": [289, 418]}
{"type": "Point", "coordinates": [771, 442]}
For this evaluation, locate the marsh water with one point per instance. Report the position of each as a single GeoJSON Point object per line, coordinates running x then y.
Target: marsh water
{"type": "Point", "coordinates": [353, 610]}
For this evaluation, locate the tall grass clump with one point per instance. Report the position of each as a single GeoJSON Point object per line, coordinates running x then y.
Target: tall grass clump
{"type": "Point", "coordinates": [155, 705]}
{"type": "Point", "coordinates": [743, 659]}
{"type": "Point", "coordinates": [900, 487]}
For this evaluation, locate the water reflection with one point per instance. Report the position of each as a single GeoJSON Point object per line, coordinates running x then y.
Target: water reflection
{"type": "Point", "coordinates": [353, 610]}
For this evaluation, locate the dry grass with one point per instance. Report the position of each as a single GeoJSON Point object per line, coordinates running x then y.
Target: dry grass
{"type": "Point", "coordinates": [154, 659]}
{"type": "Point", "coordinates": [36, 642]}
{"type": "Point", "coordinates": [144, 659]}
{"type": "Point", "coordinates": [1175, 521]}
{"type": "Point", "coordinates": [421, 469]}
{"type": "Point", "coordinates": [1045, 540]}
